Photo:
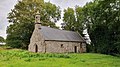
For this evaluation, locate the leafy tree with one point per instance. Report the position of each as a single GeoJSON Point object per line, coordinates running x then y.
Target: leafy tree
{"type": "Point", "coordinates": [79, 25]}
{"type": "Point", "coordinates": [104, 30]}
{"type": "Point", "coordinates": [69, 19]}
{"type": "Point", "coordinates": [22, 20]}
{"type": "Point", "coordinates": [2, 39]}
{"type": "Point", "coordinates": [72, 19]}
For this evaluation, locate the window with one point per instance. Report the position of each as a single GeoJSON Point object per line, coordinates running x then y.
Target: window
{"type": "Point", "coordinates": [61, 45]}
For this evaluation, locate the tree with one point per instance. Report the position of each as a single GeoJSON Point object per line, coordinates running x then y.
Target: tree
{"type": "Point", "coordinates": [2, 39]}
{"type": "Point", "coordinates": [72, 19]}
{"type": "Point", "coordinates": [79, 25]}
{"type": "Point", "coordinates": [22, 20]}
{"type": "Point", "coordinates": [69, 19]}
{"type": "Point", "coordinates": [104, 30]}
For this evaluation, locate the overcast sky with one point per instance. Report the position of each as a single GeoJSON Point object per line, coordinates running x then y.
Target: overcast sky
{"type": "Point", "coordinates": [7, 5]}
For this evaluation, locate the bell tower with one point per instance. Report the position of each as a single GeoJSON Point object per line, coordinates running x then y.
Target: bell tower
{"type": "Point", "coordinates": [37, 21]}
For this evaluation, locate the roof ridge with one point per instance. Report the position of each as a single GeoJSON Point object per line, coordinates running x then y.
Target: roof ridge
{"type": "Point", "coordinates": [60, 29]}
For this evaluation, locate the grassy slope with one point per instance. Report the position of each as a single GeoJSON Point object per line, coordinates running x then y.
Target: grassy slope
{"type": "Point", "coordinates": [21, 58]}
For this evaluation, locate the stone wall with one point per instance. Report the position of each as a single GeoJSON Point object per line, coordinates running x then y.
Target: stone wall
{"type": "Point", "coordinates": [36, 39]}
{"type": "Point", "coordinates": [57, 47]}
{"type": "Point", "coordinates": [64, 47]}
{"type": "Point", "coordinates": [83, 47]}
{"type": "Point", "coordinates": [41, 47]}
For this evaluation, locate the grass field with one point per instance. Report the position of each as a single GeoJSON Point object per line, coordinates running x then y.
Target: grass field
{"type": "Point", "coordinates": [22, 58]}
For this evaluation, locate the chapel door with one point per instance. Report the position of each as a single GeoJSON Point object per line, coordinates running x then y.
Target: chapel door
{"type": "Point", "coordinates": [36, 48]}
{"type": "Point", "coordinates": [75, 49]}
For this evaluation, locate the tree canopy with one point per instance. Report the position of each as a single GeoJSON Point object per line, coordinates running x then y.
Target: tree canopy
{"type": "Point", "coordinates": [2, 39]}
{"type": "Point", "coordinates": [21, 20]}
{"type": "Point", "coordinates": [105, 30]}
{"type": "Point", "coordinates": [73, 19]}
{"type": "Point", "coordinates": [102, 19]}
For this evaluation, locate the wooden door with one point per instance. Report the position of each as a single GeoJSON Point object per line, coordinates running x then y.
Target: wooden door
{"type": "Point", "coordinates": [75, 49]}
{"type": "Point", "coordinates": [36, 48]}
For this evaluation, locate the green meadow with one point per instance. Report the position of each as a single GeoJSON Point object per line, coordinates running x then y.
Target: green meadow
{"type": "Point", "coordinates": [23, 58]}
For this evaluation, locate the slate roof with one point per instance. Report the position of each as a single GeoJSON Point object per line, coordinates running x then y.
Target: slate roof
{"type": "Point", "coordinates": [60, 35]}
